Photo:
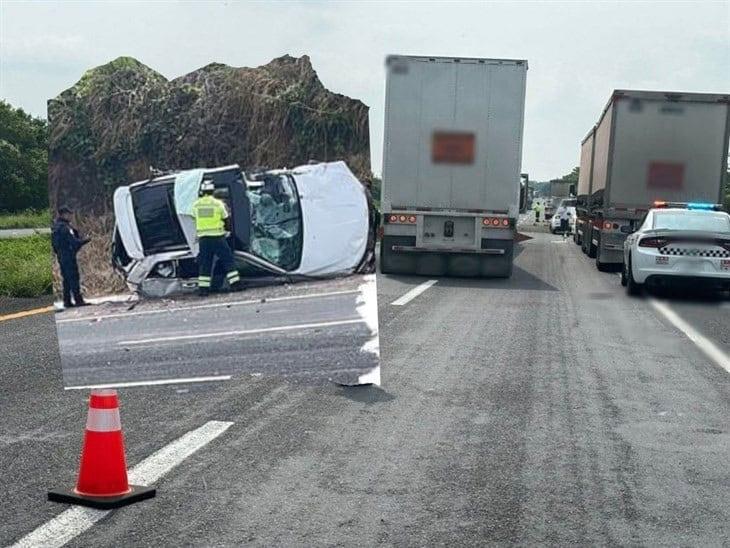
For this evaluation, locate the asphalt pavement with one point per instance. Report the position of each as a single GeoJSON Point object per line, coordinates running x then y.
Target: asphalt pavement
{"type": "Point", "coordinates": [312, 332]}
{"type": "Point", "coordinates": [549, 408]}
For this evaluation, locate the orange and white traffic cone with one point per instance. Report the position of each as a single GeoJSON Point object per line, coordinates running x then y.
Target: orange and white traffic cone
{"type": "Point", "coordinates": [102, 481]}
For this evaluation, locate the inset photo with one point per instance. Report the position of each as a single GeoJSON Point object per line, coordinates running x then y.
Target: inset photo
{"type": "Point", "coordinates": [212, 227]}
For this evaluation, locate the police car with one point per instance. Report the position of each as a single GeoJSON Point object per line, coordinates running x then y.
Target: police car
{"type": "Point", "coordinates": [679, 242]}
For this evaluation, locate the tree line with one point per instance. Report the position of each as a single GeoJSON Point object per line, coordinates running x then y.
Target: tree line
{"type": "Point", "coordinates": [23, 160]}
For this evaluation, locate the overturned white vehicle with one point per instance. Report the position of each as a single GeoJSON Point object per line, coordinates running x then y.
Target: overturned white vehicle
{"type": "Point", "coordinates": [314, 221]}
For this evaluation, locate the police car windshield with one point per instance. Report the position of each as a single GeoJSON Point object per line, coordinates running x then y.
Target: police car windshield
{"type": "Point", "coordinates": [704, 221]}
{"type": "Point", "coordinates": [276, 221]}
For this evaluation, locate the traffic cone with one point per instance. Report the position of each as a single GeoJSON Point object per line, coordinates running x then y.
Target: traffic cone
{"type": "Point", "coordinates": [102, 481]}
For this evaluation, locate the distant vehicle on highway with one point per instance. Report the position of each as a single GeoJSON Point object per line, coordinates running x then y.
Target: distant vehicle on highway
{"type": "Point", "coordinates": [311, 221]}
{"type": "Point", "coordinates": [558, 190]}
{"type": "Point", "coordinates": [555, 220]}
{"type": "Point", "coordinates": [648, 146]}
{"type": "Point", "coordinates": [451, 191]}
{"type": "Point", "coordinates": [687, 243]}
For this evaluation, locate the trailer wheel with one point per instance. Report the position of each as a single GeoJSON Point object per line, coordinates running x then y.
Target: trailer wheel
{"type": "Point", "coordinates": [601, 266]}
{"type": "Point", "coordinates": [592, 250]}
{"type": "Point", "coordinates": [624, 277]}
{"type": "Point", "coordinates": [385, 258]}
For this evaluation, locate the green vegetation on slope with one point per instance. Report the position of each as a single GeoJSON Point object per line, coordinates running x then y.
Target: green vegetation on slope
{"type": "Point", "coordinates": [29, 218]}
{"type": "Point", "coordinates": [25, 267]}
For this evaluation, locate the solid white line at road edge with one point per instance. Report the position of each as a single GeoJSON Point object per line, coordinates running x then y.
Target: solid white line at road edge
{"type": "Point", "coordinates": [69, 524]}
{"type": "Point", "coordinates": [703, 343]}
{"type": "Point", "coordinates": [156, 382]}
{"type": "Point", "coordinates": [413, 293]}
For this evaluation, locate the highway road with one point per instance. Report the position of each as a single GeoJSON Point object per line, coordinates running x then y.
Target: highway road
{"type": "Point", "coordinates": [545, 409]}
{"type": "Point", "coordinates": [311, 332]}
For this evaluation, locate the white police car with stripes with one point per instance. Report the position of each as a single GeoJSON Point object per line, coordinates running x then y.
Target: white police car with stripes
{"type": "Point", "coordinates": [679, 242]}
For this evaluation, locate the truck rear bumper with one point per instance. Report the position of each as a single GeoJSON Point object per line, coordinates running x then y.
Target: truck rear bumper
{"type": "Point", "coordinates": [400, 255]}
{"type": "Point", "coordinates": [414, 249]}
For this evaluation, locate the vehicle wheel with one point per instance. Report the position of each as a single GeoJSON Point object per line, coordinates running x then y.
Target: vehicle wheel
{"type": "Point", "coordinates": [632, 286]}
{"type": "Point", "coordinates": [601, 266]}
{"type": "Point", "coordinates": [624, 278]}
{"type": "Point", "coordinates": [592, 250]}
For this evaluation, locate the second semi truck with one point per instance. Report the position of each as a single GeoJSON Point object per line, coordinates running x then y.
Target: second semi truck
{"type": "Point", "coordinates": [451, 190]}
{"type": "Point", "coordinates": [648, 146]}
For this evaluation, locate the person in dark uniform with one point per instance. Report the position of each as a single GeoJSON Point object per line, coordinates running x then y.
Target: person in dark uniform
{"type": "Point", "coordinates": [67, 242]}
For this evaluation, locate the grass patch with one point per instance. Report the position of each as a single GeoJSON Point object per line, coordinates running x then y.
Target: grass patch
{"type": "Point", "coordinates": [26, 219]}
{"type": "Point", "coordinates": [25, 266]}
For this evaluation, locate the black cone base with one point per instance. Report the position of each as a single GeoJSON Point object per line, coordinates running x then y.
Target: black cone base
{"type": "Point", "coordinates": [69, 496]}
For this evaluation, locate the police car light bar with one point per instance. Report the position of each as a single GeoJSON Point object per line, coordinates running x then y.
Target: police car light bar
{"type": "Point", "coordinates": [689, 205]}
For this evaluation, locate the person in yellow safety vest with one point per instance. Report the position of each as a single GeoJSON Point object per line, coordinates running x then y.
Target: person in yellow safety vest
{"type": "Point", "coordinates": [541, 212]}
{"type": "Point", "coordinates": [536, 209]}
{"type": "Point", "coordinates": [211, 216]}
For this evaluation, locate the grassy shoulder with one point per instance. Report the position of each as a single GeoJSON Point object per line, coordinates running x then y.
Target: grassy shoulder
{"type": "Point", "coordinates": [25, 267]}
{"type": "Point", "coordinates": [26, 219]}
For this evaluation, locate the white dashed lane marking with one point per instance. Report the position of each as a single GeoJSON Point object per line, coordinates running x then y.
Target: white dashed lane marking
{"type": "Point", "coordinates": [413, 293]}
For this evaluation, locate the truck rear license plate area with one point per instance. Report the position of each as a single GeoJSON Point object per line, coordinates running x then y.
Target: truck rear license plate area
{"type": "Point", "coordinates": [446, 231]}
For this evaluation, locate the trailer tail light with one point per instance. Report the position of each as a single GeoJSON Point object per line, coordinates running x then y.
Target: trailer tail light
{"type": "Point", "coordinates": [607, 225]}
{"type": "Point", "coordinates": [495, 222]}
{"type": "Point", "coordinates": [401, 219]}
{"type": "Point", "coordinates": [653, 242]}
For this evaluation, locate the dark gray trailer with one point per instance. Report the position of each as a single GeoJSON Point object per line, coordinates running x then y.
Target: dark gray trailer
{"type": "Point", "coordinates": [648, 146]}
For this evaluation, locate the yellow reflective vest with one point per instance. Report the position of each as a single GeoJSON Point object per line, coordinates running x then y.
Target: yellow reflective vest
{"type": "Point", "coordinates": [209, 214]}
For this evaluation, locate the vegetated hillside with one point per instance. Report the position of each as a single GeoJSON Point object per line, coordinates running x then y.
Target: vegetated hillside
{"type": "Point", "coordinates": [123, 117]}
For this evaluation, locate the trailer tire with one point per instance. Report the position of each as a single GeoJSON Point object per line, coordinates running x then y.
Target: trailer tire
{"type": "Point", "coordinates": [592, 250]}
{"type": "Point", "coordinates": [600, 265]}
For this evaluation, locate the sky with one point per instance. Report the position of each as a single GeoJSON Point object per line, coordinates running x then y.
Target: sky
{"type": "Point", "coordinates": [578, 52]}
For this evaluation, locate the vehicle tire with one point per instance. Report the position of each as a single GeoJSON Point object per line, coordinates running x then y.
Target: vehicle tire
{"type": "Point", "coordinates": [384, 259]}
{"type": "Point", "coordinates": [601, 266]}
{"type": "Point", "coordinates": [633, 288]}
{"type": "Point", "coordinates": [592, 250]}
{"type": "Point", "coordinates": [624, 278]}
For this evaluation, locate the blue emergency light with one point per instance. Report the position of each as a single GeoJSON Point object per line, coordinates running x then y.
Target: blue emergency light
{"type": "Point", "coordinates": [697, 205]}
{"type": "Point", "coordinates": [700, 206]}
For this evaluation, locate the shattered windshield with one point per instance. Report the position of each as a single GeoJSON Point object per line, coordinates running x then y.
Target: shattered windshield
{"type": "Point", "coordinates": [276, 221]}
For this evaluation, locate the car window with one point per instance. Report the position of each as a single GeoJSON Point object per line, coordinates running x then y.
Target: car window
{"type": "Point", "coordinates": [568, 203]}
{"type": "Point", "coordinates": [276, 222]}
{"type": "Point", "coordinates": [692, 220]}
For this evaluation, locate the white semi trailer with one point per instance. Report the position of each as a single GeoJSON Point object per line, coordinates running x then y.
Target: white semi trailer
{"type": "Point", "coordinates": [648, 146]}
{"type": "Point", "coordinates": [451, 191]}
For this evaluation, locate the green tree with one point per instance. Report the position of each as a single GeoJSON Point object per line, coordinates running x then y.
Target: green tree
{"type": "Point", "coordinates": [571, 177]}
{"type": "Point", "coordinates": [23, 160]}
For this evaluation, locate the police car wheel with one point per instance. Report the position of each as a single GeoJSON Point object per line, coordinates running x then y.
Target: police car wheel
{"type": "Point", "coordinates": [632, 286]}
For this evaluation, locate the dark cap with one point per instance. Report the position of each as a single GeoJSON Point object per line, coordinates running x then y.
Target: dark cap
{"type": "Point", "coordinates": [64, 210]}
